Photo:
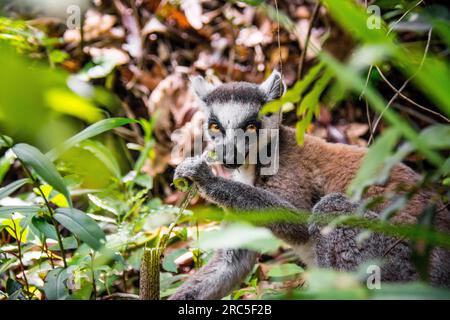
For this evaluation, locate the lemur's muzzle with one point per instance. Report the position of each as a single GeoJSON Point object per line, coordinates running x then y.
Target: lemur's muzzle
{"type": "Point", "coordinates": [233, 158]}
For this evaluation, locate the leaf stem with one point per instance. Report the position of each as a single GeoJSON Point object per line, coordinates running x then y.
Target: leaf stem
{"type": "Point", "coordinates": [47, 204]}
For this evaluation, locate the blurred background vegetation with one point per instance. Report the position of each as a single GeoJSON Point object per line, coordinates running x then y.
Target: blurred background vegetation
{"type": "Point", "coordinates": [87, 117]}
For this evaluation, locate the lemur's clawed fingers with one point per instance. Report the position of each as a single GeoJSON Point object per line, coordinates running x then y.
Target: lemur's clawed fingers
{"type": "Point", "coordinates": [194, 169]}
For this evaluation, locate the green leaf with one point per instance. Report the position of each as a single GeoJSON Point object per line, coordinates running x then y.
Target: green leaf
{"type": "Point", "coordinates": [9, 141]}
{"type": "Point", "coordinates": [351, 79]}
{"type": "Point", "coordinates": [240, 236]}
{"type": "Point", "coordinates": [169, 260]}
{"type": "Point", "coordinates": [89, 132]}
{"type": "Point", "coordinates": [10, 188]}
{"type": "Point", "coordinates": [32, 157]}
{"type": "Point", "coordinates": [55, 286]}
{"type": "Point", "coordinates": [44, 228]}
{"type": "Point", "coordinates": [81, 225]}
{"type": "Point", "coordinates": [67, 102]}
{"type": "Point", "coordinates": [294, 94]}
{"type": "Point", "coordinates": [68, 243]}
{"type": "Point", "coordinates": [144, 180]}
{"type": "Point", "coordinates": [5, 164]}
{"type": "Point", "coordinates": [6, 212]}
{"type": "Point", "coordinates": [104, 155]}
{"type": "Point", "coordinates": [15, 229]}
{"type": "Point", "coordinates": [373, 169]}
{"type": "Point", "coordinates": [283, 271]}
{"type": "Point", "coordinates": [354, 19]}
{"type": "Point", "coordinates": [410, 291]}
{"type": "Point", "coordinates": [437, 136]}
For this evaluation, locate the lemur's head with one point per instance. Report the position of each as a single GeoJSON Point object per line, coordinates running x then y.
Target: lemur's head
{"type": "Point", "coordinates": [234, 123]}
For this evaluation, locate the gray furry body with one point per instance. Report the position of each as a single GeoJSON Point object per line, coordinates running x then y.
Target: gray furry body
{"type": "Point", "coordinates": [313, 178]}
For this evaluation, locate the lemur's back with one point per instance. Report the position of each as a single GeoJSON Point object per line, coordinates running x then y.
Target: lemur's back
{"type": "Point", "coordinates": [309, 172]}
{"type": "Point", "coordinates": [318, 168]}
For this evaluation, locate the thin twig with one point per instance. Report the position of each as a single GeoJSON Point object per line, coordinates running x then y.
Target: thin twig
{"type": "Point", "coordinates": [280, 62]}
{"type": "Point", "coordinates": [369, 72]}
{"type": "Point", "coordinates": [19, 255]}
{"type": "Point", "coordinates": [134, 127]}
{"type": "Point", "coordinates": [403, 16]}
{"type": "Point", "coordinates": [402, 87]}
{"type": "Point", "coordinates": [312, 19]}
{"type": "Point", "coordinates": [409, 99]}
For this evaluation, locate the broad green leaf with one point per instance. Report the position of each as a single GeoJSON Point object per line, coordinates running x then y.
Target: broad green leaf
{"type": "Point", "coordinates": [104, 155]}
{"type": "Point", "coordinates": [283, 271]}
{"type": "Point", "coordinates": [432, 78]}
{"type": "Point", "coordinates": [355, 20]}
{"type": "Point", "coordinates": [68, 243]}
{"type": "Point", "coordinates": [436, 136]}
{"type": "Point", "coordinates": [32, 157]}
{"type": "Point", "coordinates": [373, 169]}
{"type": "Point", "coordinates": [5, 164]}
{"type": "Point", "coordinates": [13, 186]}
{"type": "Point", "coordinates": [89, 132]}
{"type": "Point", "coordinates": [55, 286]}
{"type": "Point", "coordinates": [169, 260]}
{"type": "Point", "coordinates": [6, 212]}
{"type": "Point", "coordinates": [144, 180]}
{"type": "Point", "coordinates": [81, 225]}
{"type": "Point", "coordinates": [240, 236]}
{"type": "Point", "coordinates": [9, 141]}
{"type": "Point", "coordinates": [44, 228]}
{"type": "Point", "coordinates": [102, 202]}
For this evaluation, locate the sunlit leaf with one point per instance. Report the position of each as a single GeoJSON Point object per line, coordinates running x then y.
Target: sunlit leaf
{"type": "Point", "coordinates": [15, 229]}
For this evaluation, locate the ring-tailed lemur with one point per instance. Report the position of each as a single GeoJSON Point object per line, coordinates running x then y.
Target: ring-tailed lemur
{"type": "Point", "coordinates": [311, 177]}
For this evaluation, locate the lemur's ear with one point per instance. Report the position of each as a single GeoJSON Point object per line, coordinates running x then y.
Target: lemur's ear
{"type": "Point", "coordinates": [201, 87]}
{"type": "Point", "coordinates": [273, 87]}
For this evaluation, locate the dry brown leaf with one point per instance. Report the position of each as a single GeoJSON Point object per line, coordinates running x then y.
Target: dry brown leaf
{"type": "Point", "coordinates": [193, 11]}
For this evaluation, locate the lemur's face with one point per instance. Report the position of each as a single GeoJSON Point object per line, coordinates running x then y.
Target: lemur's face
{"type": "Point", "coordinates": [233, 121]}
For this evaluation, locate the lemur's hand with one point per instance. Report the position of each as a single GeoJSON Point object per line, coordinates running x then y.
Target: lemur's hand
{"type": "Point", "coordinates": [194, 169]}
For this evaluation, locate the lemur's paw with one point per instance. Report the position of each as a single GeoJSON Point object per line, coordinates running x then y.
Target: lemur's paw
{"type": "Point", "coordinates": [193, 169]}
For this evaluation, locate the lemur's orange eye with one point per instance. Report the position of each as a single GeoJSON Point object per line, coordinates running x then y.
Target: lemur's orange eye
{"type": "Point", "coordinates": [214, 127]}
{"type": "Point", "coordinates": [251, 128]}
